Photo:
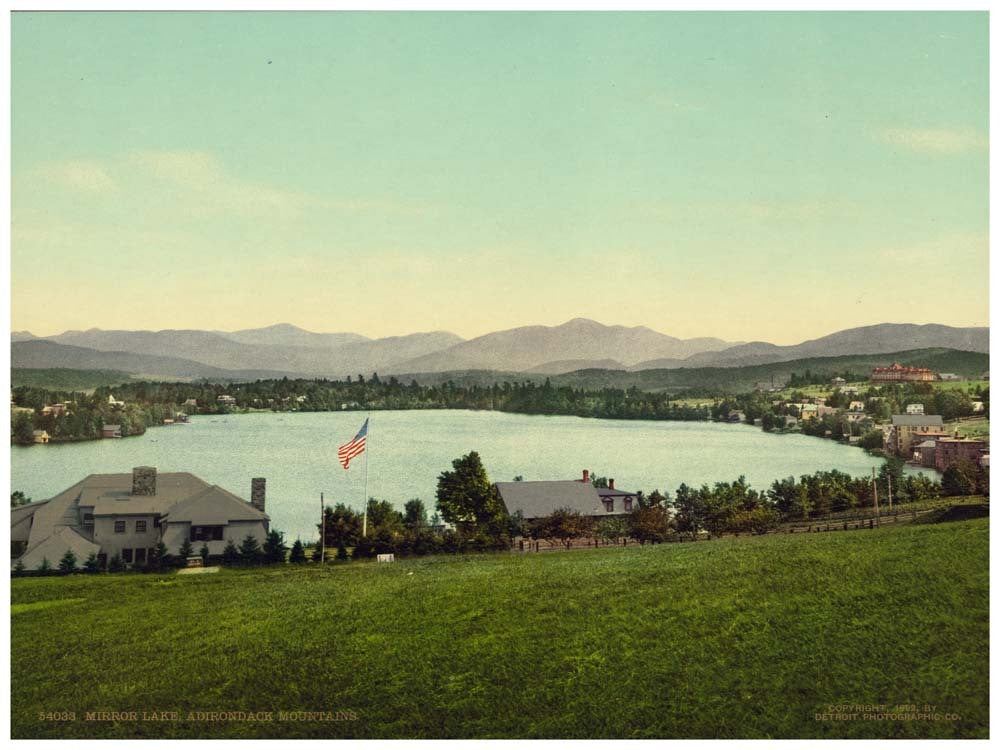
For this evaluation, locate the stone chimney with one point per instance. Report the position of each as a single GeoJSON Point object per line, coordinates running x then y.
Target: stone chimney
{"type": "Point", "coordinates": [144, 480]}
{"type": "Point", "coordinates": [257, 492]}
{"type": "Point", "coordinates": [611, 484]}
{"type": "Point", "coordinates": [586, 476]}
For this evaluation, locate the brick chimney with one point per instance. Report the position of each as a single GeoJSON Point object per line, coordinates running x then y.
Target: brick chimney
{"type": "Point", "coordinates": [611, 484]}
{"type": "Point", "coordinates": [144, 480]}
{"type": "Point", "coordinates": [257, 492]}
{"type": "Point", "coordinates": [586, 476]}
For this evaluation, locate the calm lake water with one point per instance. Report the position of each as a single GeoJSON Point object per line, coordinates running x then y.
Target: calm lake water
{"type": "Point", "coordinates": [297, 453]}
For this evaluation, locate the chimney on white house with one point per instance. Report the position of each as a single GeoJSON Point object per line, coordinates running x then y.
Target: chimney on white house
{"type": "Point", "coordinates": [586, 476]}
{"type": "Point", "coordinates": [611, 484]}
{"type": "Point", "coordinates": [257, 485]}
{"type": "Point", "coordinates": [144, 480]}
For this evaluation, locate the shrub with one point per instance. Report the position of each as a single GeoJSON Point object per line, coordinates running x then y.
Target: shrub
{"type": "Point", "coordinates": [230, 555]}
{"type": "Point", "coordinates": [68, 562]}
{"type": "Point", "coordinates": [298, 554]}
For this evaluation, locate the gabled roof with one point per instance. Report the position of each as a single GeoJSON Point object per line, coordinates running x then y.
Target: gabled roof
{"type": "Point", "coordinates": [917, 420]}
{"type": "Point", "coordinates": [213, 506]}
{"type": "Point", "coordinates": [538, 499]}
{"type": "Point", "coordinates": [54, 546]}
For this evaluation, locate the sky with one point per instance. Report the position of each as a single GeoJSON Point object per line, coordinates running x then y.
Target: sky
{"type": "Point", "coordinates": [750, 176]}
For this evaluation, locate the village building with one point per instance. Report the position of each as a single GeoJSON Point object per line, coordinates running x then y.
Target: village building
{"type": "Point", "coordinates": [914, 408]}
{"type": "Point", "coordinates": [850, 390]}
{"type": "Point", "coordinates": [978, 407]}
{"type": "Point", "coordinates": [807, 411]}
{"type": "Point", "coordinates": [837, 382]}
{"type": "Point", "coordinates": [111, 431]}
{"type": "Point", "coordinates": [129, 514]}
{"type": "Point", "coordinates": [225, 400]}
{"type": "Point", "coordinates": [191, 402]}
{"type": "Point", "coordinates": [949, 451]}
{"type": "Point", "coordinates": [897, 373]}
{"type": "Point", "coordinates": [539, 499]}
{"type": "Point", "coordinates": [949, 376]}
{"type": "Point", "coordinates": [41, 436]}
{"type": "Point", "coordinates": [115, 403]}
{"type": "Point", "coordinates": [54, 410]}
{"type": "Point", "coordinates": [908, 430]}
{"type": "Point", "coordinates": [856, 406]}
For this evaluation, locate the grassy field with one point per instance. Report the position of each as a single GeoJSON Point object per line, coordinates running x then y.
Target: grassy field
{"type": "Point", "coordinates": [746, 637]}
{"type": "Point", "coordinates": [970, 427]}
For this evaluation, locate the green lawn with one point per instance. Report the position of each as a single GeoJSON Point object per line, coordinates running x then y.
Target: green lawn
{"type": "Point", "coordinates": [973, 428]}
{"type": "Point", "coordinates": [746, 637]}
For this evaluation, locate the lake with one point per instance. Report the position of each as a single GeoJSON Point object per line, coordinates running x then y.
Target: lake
{"type": "Point", "coordinates": [297, 453]}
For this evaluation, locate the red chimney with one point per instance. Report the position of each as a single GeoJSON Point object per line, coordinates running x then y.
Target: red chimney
{"type": "Point", "coordinates": [586, 476]}
{"type": "Point", "coordinates": [611, 484]}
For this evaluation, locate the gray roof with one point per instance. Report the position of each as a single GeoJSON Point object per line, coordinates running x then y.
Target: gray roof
{"type": "Point", "coordinates": [213, 506]}
{"type": "Point", "coordinates": [54, 546]}
{"type": "Point", "coordinates": [917, 420]}
{"type": "Point", "coordinates": [605, 492]}
{"type": "Point", "coordinates": [538, 499]}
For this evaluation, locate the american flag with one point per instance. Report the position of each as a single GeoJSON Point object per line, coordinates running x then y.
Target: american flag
{"type": "Point", "coordinates": [354, 448]}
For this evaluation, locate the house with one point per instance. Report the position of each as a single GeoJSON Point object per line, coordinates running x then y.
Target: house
{"type": "Point", "coordinates": [837, 382]}
{"type": "Point", "coordinates": [192, 402]}
{"type": "Point", "coordinates": [949, 376]}
{"type": "Point", "coordinates": [978, 407]}
{"type": "Point", "coordinates": [111, 431]}
{"type": "Point", "coordinates": [225, 400]}
{"type": "Point", "coordinates": [807, 411]}
{"type": "Point", "coordinates": [823, 410]}
{"type": "Point", "coordinates": [950, 451]}
{"type": "Point", "coordinates": [897, 373]}
{"type": "Point", "coordinates": [55, 410]}
{"type": "Point", "coordinates": [908, 428]}
{"type": "Point", "coordinates": [850, 390]}
{"type": "Point", "coordinates": [924, 453]}
{"type": "Point", "coordinates": [856, 406]}
{"type": "Point", "coordinates": [41, 436]}
{"type": "Point", "coordinates": [129, 514]}
{"type": "Point", "coordinates": [914, 408]}
{"type": "Point", "coordinates": [114, 403]}
{"type": "Point", "coordinates": [539, 499]}
{"type": "Point", "coordinates": [857, 417]}
{"type": "Point", "coordinates": [737, 416]}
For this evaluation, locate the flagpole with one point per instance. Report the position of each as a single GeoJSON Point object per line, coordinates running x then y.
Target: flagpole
{"type": "Point", "coordinates": [368, 450]}
{"type": "Point", "coordinates": [322, 533]}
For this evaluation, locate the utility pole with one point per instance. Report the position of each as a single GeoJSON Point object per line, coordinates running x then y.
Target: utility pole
{"type": "Point", "coordinates": [322, 533]}
{"type": "Point", "coordinates": [878, 521]}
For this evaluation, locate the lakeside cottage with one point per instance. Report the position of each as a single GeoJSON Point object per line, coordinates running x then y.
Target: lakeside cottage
{"type": "Point", "coordinates": [539, 499]}
{"type": "Point", "coordinates": [129, 514]}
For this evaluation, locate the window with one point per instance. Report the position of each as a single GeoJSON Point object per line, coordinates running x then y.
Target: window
{"type": "Point", "coordinates": [140, 555]}
{"type": "Point", "coordinates": [88, 517]}
{"type": "Point", "coordinates": [119, 527]}
{"type": "Point", "coordinates": [127, 555]}
{"type": "Point", "coordinates": [206, 533]}
{"type": "Point", "coordinates": [140, 527]}
{"type": "Point", "coordinates": [609, 505]}
{"type": "Point", "coordinates": [628, 503]}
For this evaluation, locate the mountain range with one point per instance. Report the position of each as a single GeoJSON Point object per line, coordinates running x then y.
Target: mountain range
{"type": "Point", "coordinates": [286, 350]}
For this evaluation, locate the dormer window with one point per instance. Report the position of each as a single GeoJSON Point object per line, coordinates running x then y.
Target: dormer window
{"type": "Point", "coordinates": [609, 505]}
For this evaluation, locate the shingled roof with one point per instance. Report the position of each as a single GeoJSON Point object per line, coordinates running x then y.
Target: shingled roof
{"type": "Point", "coordinates": [917, 420]}
{"type": "Point", "coordinates": [538, 499]}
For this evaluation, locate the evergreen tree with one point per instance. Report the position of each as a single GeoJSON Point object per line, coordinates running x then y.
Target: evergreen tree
{"type": "Point", "coordinates": [298, 554]}
{"type": "Point", "coordinates": [230, 555]}
{"type": "Point", "coordinates": [91, 564]}
{"type": "Point", "coordinates": [159, 558]}
{"type": "Point", "coordinates": [18, 567]}
{"type": "Point", "coordinates": [250, 552]}
{"type": "Point", "coordinates": [342, 553]}
{"type": "Point", "coordinates": [116, 565]}
{"type": "Point", "coordinates": [274, 548]}
{"type": "Point", "coordinates": [45, 566]}
{"type": "Point", "coordinates": [68, 562]}
{"type": "Point", "coordinates": [204, 554]}
{"type": "Point", "coordinates": [186, 551]}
